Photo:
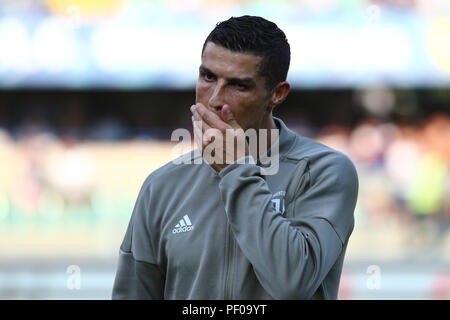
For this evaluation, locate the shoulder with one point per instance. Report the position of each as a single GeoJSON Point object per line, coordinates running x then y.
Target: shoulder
{"type": "Point", "coordinates": [333, 186]}
{"type": "Point", "coordinates": [324, 163]}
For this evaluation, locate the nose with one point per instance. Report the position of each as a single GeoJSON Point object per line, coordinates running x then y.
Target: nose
{"type": "Point", "coordinates": [216, 101]}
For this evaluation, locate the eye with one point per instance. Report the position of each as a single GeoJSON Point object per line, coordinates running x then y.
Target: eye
{"type": "Point", "coordinates": [240, 86]}
{"type": "Point", "coordinates": [208, 76]}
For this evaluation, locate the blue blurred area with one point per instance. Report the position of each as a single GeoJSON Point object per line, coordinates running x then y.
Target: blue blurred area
{"type": "Point", "coordinates": [141, 44]}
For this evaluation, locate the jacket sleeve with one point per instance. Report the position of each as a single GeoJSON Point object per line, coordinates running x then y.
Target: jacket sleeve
{"type": "Point", "coordinates": [291, 254]}
{"type": "Point", "coordinates": [138, 275]}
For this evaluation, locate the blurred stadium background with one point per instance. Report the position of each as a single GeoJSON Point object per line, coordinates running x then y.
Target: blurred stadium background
{"type": "Point", "coordinates": [91, 90]}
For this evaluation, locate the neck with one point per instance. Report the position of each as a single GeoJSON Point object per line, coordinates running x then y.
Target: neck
{"type": "Point", "coordinates": [268, 123]}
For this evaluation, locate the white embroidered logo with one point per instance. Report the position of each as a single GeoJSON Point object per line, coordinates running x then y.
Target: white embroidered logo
{"type": "Point", "coordinates": [278, 201]}
{"type": "Point", "coordinates": [184, 225]}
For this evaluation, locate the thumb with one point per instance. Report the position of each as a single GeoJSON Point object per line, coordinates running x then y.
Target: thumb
{"type": "Point", "coordinates": [228, 116]}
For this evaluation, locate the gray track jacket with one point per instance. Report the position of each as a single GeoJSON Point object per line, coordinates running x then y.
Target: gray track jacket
{"type": "Point", "coordinates": [236, 234]}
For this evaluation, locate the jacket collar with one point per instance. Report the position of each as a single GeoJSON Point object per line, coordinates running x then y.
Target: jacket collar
{"type": "Point", "coordinates": [285, 141]}
{"type": "Point", "coordinates": [286, 137]}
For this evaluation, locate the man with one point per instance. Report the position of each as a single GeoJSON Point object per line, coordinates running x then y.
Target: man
{"type": "Point", "coordinates": [223, 230]}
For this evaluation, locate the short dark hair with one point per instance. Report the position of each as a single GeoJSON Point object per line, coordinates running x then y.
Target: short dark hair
{"type": "Point", "coordinates": [258, 36]}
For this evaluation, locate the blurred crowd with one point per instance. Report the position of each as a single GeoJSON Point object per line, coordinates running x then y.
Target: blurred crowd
{"type": "Point", "coordinates": [85, 174]}
{"type": "Point", "coordinates": [403, 171]}
{"type": "Point", "coordinates": [404, 174]}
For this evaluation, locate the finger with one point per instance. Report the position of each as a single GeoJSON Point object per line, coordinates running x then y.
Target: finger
{"type": "Point", "coordinates": [197, 133]}
{"type": "Point", "coordinates": [202, 131]}
{"type": "Point", "coordinates": [228, 117]}
{"type": "Point", "coordinates": [198, 118]}
{"type": "Point", "coordinates": [211, 118]}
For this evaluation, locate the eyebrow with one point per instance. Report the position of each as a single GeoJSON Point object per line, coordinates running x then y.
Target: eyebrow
{"type": "Point", "coordinates": [247, 80]}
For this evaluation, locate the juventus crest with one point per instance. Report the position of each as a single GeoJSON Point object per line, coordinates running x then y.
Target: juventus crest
{"type": "Point", "coordinates": [278, 201]}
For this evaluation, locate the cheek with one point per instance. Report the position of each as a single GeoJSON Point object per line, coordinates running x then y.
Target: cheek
{"type": "Point", "coordinates": [243, 107]}
{"type": "Point", "coordinates": [247, 104]}
{"type": "Point", "coordinates": [202, 91]}
{"type": "Point", "coordinates": [250, 110]}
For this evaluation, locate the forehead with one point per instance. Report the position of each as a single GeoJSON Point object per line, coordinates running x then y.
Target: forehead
{"type": "Point", "coordinates": [226, 63]}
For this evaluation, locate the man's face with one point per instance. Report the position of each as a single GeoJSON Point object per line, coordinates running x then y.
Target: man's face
{"type": "Point", "coordinates": [227, 77]}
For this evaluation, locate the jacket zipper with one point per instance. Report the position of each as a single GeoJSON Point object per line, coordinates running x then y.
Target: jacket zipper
{"type": "Point", "coordinates": [227, 290]}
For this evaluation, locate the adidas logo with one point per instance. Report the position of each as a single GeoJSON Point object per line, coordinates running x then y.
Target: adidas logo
{"type": "Point", "coordinates": [184, 225]}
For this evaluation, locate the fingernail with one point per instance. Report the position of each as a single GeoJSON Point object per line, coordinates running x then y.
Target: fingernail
{"type": "Point", "coordinates": [193, 108]}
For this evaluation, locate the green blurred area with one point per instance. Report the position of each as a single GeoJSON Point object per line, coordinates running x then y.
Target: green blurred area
{"type": "Point", "coordinates": [81, 205]}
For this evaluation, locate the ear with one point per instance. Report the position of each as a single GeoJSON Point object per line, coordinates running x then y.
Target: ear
{"type": "Point", "coordinates": [279, 94]}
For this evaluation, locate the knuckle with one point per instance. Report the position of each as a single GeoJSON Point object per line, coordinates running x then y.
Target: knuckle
{"type": "Point", "coordinates": [221, 128]}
